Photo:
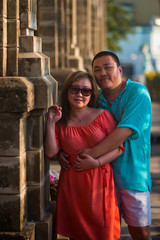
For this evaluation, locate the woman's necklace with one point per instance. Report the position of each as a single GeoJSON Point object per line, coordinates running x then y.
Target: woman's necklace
{"type": "Point", "coordinates": [76, 119]}
{"type": "Point", "coordinates": [83, 117]}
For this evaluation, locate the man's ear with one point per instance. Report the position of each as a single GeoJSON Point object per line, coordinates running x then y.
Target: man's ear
{"type": "Point", "coordinates": [120, 70]}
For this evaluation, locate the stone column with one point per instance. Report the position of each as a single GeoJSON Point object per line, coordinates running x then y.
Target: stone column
{"type": "Point", "coordinates": [74, 58]}
{"type": "Point", "coordinates": [98, 26]}
{"type": "Point", "coordinates": [84, 31]}
{"type": "Point", "coordinates": [13, 28]}
{"type": "Point", "coordinates": [3, 37]}
{"type": "Point", "coordinates": [48, 30]}
{"type": "Point", "coordinates": [24, 99]}
{"type": "Point", "coordinates": [102, 11]}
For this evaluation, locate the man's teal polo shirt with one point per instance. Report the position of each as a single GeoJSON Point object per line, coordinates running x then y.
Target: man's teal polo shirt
{"type": "Point", "coordinates": [132, 108]}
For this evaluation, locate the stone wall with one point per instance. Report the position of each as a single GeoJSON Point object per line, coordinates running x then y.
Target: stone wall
{"type": "Point", "coordinates": [26, 91]}
{"type": "Point", "coordinates": [70, 32]}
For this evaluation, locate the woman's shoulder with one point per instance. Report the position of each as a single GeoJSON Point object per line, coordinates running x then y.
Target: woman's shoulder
{"type": "Point", "coordinates": [100, 113]}
{"type": "Point", "coordinates": [97, 110]}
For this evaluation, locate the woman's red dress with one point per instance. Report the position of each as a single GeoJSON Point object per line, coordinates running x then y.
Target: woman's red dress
{"type": "Point", "coordinates": [86, 203]}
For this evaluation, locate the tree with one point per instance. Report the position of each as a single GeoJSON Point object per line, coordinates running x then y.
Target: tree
{"type": "Point", "coordinates": [118, 25]}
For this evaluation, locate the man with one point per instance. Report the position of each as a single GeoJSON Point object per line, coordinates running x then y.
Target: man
{"type": "Point", "coordinates": [129, 103]}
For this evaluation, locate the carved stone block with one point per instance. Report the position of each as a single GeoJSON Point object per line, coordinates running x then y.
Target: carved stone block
{"type": "Point", "coordinates": [36, 202]}
{"type": "Point", "coordinates": [30, 44]}
{"type": "Point", "coordinates": [16, 95]}
{"type": "Point", "coordinates": [35, 166]}
{"type": "Point", "coordinates": [33, 64]}
{"type": "Point", "coordinates": [44, 228]}
{"type": "Point", "coordinates": [13, 31]}
{"type": "Point", "coordinates": [3, 61]}
{"type": "Point", "coordinates": [12, 212]}
{"type": "Point", "coordinates": [12, 61]}
{"type": "Point", "coordinates": [3, 8]}
{"type": "Point", "coordinates": [35, 133]}
{"type": "Point", "coordinates": [12, 135]}
{"type": "Point", "coordinates": [3, 32]}
{"type": "Point", "coordinates": [13, 9]}
{"type": "Point", "coordinates": [12, 174]}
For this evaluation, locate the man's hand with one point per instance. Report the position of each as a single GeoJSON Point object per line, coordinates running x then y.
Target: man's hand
{"type": "Point", "coordinates": [84, 162]}
{"type": "Point", "coordinates": [63, 160]}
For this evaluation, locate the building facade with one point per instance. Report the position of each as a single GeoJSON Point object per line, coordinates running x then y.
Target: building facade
{"type": "Point", "coordinates": [144, 11]}
{"type": "Point", "coordinates": [141, 52]}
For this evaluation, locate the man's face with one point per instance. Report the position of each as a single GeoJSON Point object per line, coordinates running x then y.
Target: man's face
{"type": "Point", "coordinates": [106, 72]}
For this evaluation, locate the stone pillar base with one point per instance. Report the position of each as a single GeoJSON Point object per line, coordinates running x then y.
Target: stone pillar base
{"type": "Point", "coordinates": [27, 234]}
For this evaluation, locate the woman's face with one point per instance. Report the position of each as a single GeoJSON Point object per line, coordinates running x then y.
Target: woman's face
{"type": "Point", "coordinates": [79, 93]}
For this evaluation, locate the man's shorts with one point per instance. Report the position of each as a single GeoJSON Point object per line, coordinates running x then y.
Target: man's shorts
{"type": "Point", "coordinates": [134, 207]}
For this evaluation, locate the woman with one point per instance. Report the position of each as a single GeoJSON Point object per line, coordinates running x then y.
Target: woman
{"type": "Point", "coordinates": [86, 202]}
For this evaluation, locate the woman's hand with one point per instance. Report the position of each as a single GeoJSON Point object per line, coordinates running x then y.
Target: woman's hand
{"type": "Point", "coordinates": [54, 113]}
{"type": "Point", "coordinates": [84, 162]}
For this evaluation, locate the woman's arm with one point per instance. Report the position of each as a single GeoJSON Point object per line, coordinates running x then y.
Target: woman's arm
{"type": "Point", "coordinates": [85, 161]}
{"type": "Point", "coordinates": [50, 144]}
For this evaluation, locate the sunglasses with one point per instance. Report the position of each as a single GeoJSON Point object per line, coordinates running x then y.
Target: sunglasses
{"type": "Point", "coordinates": [84, 91]}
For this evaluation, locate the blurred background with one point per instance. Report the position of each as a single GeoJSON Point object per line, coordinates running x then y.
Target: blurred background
{"type": "Point", "coordinates": [130, 28]}
{"type": "Point", "coordinates": [134, 33]}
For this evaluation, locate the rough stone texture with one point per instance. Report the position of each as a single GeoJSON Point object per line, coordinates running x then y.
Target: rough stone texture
{"type": "Point", "coordinates": [3, 61]}
{"type": "Point", "coordinates": [35, 130]}
{"type": "Point", "coordinates": [11, 143]}
{"type": "Point", "coordinates": [16, 94]}
{"type": "Point", "coordinates": [46, 90]}
{"type": "Point", "coordinates": [13, 212]}
{"type": "Point", "coordinates": [3, 8]}
{"type": "Point", "coordinates": [36, 201]}
{"type": "Point", "coordinates": [13, 30]}
{"type": "Point", "coordinates": [44, 229]}
{"type": "Point", "coordinates": [27, 234]}
{"type": "Point", "coordinates": [30, 44]}
{"type": "Point", "coordinates": [12, 174]}
{"type": "Point", "coordinates": [12, 61]}
{"type": "Point", "coordinates": [28, 20]}
{"type": "Point", "coordinates": [3, 32]}
{"type": "Point", "coordinates": [13, 9]}
{"type": "Point", "coordinates": [35, 160]}
{"type": "Point", "coordinates": [33, 64]}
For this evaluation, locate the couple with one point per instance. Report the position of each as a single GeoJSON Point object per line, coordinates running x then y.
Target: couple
{"type": "Point", "coordinates": [86, 203]}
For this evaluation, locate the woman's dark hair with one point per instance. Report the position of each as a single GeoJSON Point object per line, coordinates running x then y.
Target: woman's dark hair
{"type": "Point", "coordinates": [107, 53]}
{"type": "Point", "coordinates": [64, 103]}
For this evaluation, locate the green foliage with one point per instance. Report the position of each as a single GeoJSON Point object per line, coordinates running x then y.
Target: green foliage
{"type": "Point", "coordinates": [153, 85]}
{"type": "Point", "coordinates": [118, 25]}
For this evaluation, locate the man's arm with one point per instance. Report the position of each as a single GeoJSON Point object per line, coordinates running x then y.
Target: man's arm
{"type": "Point", "coordinates": [112, 141]}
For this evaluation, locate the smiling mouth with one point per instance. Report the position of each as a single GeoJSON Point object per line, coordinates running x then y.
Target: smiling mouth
{"type": "Point", "coordinates": [78, 100]}
{"type": "Point", "coordinates": [107, 79]}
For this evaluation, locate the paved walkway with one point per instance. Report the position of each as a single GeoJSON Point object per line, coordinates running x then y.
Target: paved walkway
{"type": "Point", "coordinates": [155, 173]}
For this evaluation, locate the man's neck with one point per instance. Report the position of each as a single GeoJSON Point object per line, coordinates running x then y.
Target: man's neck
{"type": "Point", "coordinates": [111, 94]}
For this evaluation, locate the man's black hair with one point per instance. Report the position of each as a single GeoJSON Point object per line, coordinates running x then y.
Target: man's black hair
{"type": "Point", "coordinates": [107, 53]}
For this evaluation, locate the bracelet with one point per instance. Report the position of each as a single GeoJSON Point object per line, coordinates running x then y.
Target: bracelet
{"type": "Point", "coordinates": [99, 162]}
